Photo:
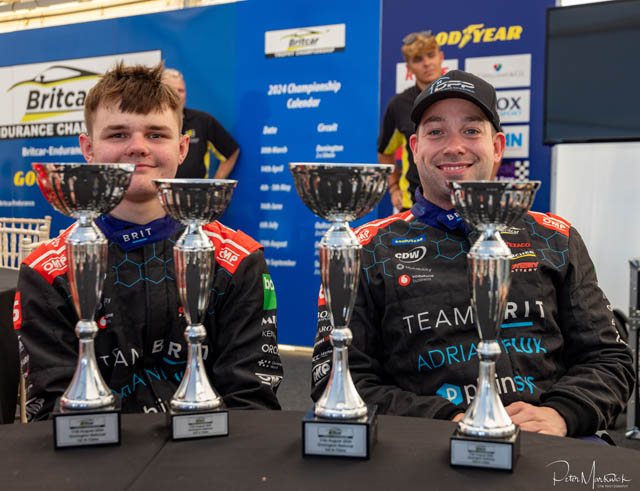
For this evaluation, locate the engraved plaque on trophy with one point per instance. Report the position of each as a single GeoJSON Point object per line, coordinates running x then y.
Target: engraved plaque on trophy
{"type": "Point", "coordinates": [196, 409]}
{"type": "Point", "coordinates": [340, 424]}
{"type": "Point", "coordinates": [486, 437]}
{"type": "Point", "coordinates": [87, 414]}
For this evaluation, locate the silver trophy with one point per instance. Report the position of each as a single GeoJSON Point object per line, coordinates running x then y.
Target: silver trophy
{"type": "Point", "coordinates": [85, 192]}
{"type": "Point", "coordinates": [339, 193]}
{"type": "Point", "coordinates": [196, 408]}
{"type": "Point", "coordinates": [489, 207]}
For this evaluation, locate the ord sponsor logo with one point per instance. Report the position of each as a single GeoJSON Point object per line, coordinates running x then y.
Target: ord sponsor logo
{"type": "Point", "coordinates": [321, 371]}
{"type": "Point", "coordinates": [270, 348]}
{"type": "Point", "coordinates": [312, 40]}
{"type": "Point", "coordinates": [409, 241]}
{"type": "Point", "coordinates": [413, 256]}
{"type": "Point", "coordinates": [504, 385]}
{"type": "Point", "coordinates": [502, 71]}
{"type": "Point", "coordinates": [47, 99]}
{"type": "Point", "coordinates": [479, 33]}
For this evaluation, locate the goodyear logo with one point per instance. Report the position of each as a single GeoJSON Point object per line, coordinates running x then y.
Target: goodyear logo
{"type": "Point", "coordinates": [478, 33]}
{"type": "Point", "coordinates": [269, 292]}
{"type": "Point", "coordinates": [405, 241]}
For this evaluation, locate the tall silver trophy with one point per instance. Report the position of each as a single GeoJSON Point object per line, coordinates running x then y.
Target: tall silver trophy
{"type": "Point", "coordinates": [197, 411]}
{"type": "Point", "coordinates": [340, 424]}
{"type": "Point", "coordinates": [88, 412]}
{"type": "Point", "coordinates": [486, 436]}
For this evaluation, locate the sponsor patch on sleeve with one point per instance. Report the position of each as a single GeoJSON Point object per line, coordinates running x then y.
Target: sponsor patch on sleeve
{"type": "Point", "coordinates": [269, 292]}
{"type": "Point", "coordinates": [552, 222]}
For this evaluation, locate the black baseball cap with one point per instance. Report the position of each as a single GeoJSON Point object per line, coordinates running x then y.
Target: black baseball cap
{"type": "Point", "coordinates": [461, 85]}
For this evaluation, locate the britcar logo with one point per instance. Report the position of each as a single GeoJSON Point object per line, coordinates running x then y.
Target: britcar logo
{"type": "Point", "coordinates": [47, 95]}
{"type": "Point", "coordinates": [413, 256]}
{"type": "Point", "coordinates": [47, 99]}
{"type": "Point", "coordinates": [304, 41]}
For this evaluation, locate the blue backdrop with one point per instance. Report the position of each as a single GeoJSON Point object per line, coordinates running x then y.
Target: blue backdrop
{"type": "Point", "coordinates": [222, 52]}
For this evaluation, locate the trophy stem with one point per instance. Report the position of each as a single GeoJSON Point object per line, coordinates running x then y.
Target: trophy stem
{"type": "Point", "coordinates": [486, 415]}
{"type": "Point", "coordinates": [340, 398]}
{"type": "Point", "coordinates": [195, 392]}
{"type": "Point", "coordinates": [87, 257]}
{"type": "Point", "coordinates": [87, 389]}
{"type": "Point", "coordinates": [193, 256]}
{"type": "Point", "coordinates": [340, 265]}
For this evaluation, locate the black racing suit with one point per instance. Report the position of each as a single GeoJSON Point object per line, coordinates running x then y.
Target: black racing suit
{"type": "Point", "coordinates": [140, 347]}
{"type": "Point", "coordinates": [414, 338]}
{"type": "Point", "coordinates": [206, 135]}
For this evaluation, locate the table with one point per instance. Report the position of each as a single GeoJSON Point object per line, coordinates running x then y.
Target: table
{"type": "Point", "coordinates": [263, 452]}
{"type": "Point", "coordinates": [9, 368]}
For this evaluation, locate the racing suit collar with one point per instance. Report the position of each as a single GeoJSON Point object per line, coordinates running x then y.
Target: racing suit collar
{"type": "Point", "coordinates": [130, 236]}
{"type": "Point", "coordinates": [426, 212]}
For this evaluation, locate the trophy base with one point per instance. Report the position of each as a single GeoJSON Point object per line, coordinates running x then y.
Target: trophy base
{"type": "Point", "coordinates": [188, 425]}
{"type": "Point", "coordinates": [348, 438]}
{"type": "Point", "coordinates": [488, 453]}
{"type": "Point", "coordinates": [86, 427]}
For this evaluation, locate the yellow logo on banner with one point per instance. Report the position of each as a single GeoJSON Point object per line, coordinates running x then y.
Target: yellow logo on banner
{"type": "Point", "coordinates": [478, 33]}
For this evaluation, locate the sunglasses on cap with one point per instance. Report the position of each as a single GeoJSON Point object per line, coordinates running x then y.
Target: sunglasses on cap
{"type": "Point", "coordinates": [410, 38]}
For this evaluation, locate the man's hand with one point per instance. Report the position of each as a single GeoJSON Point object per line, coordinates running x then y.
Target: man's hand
{"type": "Point", "coordinates": [537, 419]}
{"type": "Point", "coordinates": [396, 197]}
{"type": "Point", "coordinates": [457, 417]}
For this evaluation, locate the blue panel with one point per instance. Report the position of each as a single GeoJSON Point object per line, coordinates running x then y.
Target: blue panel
{"type": "Point", "coordinates": [401, 17]}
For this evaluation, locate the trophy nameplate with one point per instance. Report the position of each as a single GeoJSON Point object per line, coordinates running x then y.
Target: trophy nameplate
{"type": "Point", "coordinates": [339, 438]}
{"type": "Point", "coordinates": [86, 428]}
{"type": "Point", "coordinates": [205, 424]}
{"type": "Point", "coordinates": [489, 453]}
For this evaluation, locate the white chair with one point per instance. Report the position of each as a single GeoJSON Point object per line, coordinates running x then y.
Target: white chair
{"type": "Point", "coordinates": [12, 233]}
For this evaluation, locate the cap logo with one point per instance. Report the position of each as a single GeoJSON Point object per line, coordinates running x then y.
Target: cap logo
{"type": "Point", "coordinates": [444, 83]}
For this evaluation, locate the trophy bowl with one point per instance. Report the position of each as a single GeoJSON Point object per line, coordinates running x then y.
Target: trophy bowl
{"type": "Point", "coordinates": [199, 201]}
{"type": "Point", "coordinates": [497, 204]}
{"type": "Point", "coordinates": [340, 192]}
{"type": "Point", "coordinates": [76, 189]}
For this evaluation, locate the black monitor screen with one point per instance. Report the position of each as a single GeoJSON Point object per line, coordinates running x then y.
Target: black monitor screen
{"type": "Point", "coordinates": [592, 79]}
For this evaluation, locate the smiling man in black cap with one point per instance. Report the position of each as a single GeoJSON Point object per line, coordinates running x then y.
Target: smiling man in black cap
{"type": "Point", "coordinates": [564, 370]}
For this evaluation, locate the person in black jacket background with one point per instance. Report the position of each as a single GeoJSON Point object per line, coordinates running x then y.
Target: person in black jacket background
{"type": "Point", "coordinates": [206, 136]}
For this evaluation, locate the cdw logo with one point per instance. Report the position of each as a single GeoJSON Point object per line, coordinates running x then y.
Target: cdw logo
{"type": "Point", "coordinates": [412, 256]}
